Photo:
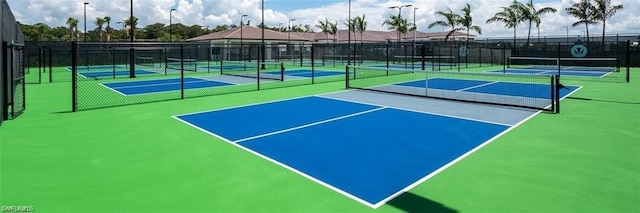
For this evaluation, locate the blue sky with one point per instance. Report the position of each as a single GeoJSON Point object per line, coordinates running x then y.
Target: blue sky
{"type": "Point", "coordinates": [217, 12]}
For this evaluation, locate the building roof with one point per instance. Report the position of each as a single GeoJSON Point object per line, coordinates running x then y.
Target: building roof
{"type": "Point", "coordinates": [249, 33]}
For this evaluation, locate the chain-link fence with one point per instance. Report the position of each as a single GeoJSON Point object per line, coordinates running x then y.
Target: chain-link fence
{"type": "Point", "coordinates": [12, 72]}
{"type": "Point", "coordinates": [117, 74]}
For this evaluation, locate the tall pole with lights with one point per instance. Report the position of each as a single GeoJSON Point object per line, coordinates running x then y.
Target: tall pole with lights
{"type": "Point", "coordinates": [241, 27]}
{"type": "Point", "coordinates": [289, 38]}
{"type": "Point", "coordinates": [171, 25]}
{"type": "Point", "coordinates": [263, 47]}
{"type": "Point", "coordinates": [349, 37]}
{"type": "Point", "coordinates": [85, 21]}
{"type": "Point", "coordinates": [399, 17]}
{"type": "Point", "coordinates": [414, 25]}
{"type": "Point", "coordinates": [132, 57]}
{"type": "Point", "coordinates": [132, 30]}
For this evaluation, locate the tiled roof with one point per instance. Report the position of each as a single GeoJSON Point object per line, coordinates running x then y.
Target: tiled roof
{"type": "Point", "coordinates": [248, 32]}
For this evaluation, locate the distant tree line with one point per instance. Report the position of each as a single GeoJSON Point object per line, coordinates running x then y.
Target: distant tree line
{"type": "Point", "coordinates": [107, 31]}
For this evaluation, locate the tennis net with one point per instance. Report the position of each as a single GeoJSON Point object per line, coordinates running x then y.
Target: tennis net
{"type": "Point", "coordinates": [147, 61]}
{"type": "Point", "coordinates": [185, 64]}
{"type": "Point", "coordinates": [559, 65]}
{"type": "Point", "coordinates": [261, 70]}
{"type": "Point", "coordinates": [517, 90]}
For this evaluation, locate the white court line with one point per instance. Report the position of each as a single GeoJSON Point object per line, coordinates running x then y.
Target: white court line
{"type": "Point", "coordinates": [477, 86]}
{"type": "Point", "coordinates": [418, 111]}
{"type": "Point", "coordinates": [237, 144]}
{"type": "Point", "coordinates": [380, 203]}
{"type": "Point", "coordinates": [451, 163]}
{"type": "Point", "coordinates": [308, 125]}
{"type": "Point", "coordinates": [147, 93]}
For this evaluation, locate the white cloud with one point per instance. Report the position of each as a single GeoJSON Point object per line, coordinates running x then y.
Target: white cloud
{"type": "Point", "coordinates": [217, 12]}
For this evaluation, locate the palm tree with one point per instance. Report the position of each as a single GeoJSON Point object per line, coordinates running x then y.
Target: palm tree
{"type": "Point", "coordinates": [361, 26]}
{"type": "Point", "coordinates": [100, 22]}
{"type": "Point", "coordinates": [73, 27]}
{"type": "Point", "coordinates": [511, 17]}
{"type": "Point", "coordinates": [585, 12]}
{"type": "Point", "coordinates": [352, 27]}
{"type": "Point", "coordinates": [397, 23]}
{"type": "Point", "coordinates": [132, 25]}
{"type": "Point", "coordinates": [108, 29]}
{"type": "Point", "coordinates": [605, 10]}
{"type": "Point", "coordinates": [324, 27]}
{"type": "Point", "coordinates": [333, 30]}
{"type": "Point", "coordinates": [450, 20]}
{"type": "Point", "coordinates": [467, 21]}
{"type": "Point", "coordinates": [532, 14]}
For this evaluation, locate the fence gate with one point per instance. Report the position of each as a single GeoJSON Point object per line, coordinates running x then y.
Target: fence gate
{"type": "Point", "coordinates": [16, 91]}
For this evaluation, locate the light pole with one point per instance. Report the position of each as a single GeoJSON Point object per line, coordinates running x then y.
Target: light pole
{"type": "Point", "coordinates": [132, 35]}
{"type": "Point", "coordinates": [414, 25]}
{"type": "Point", "coordinates": [241, 27]}
{"type": "Point", "coordinates": [413, 46]}
{"type": "Point", "coordinates": [349, 39]}
{"type": "Point", "coordinates": [263, 47]}
{"type": "Point", "coordinates": [132, 30]}
{"type": "Point", "coordinates": [171, 25]}
{"type": "Point", "coordinates": [289, 38]}
{"type": "Point", "coordinates": [400, 16]}
{"type": "Point", "coordinates": [85, 21]}
{"type": "Point", "coordinates": [123, 32]}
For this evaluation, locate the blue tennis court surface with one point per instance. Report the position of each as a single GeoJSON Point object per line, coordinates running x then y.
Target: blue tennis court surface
{"type": "Point", "coordinates": [545, 71]}
{"type": "Point", "coordinates": [112, 73]}
{"type": "Point", "coordinates": [105, 67]}
{"type": "Point", "coordinates": [370, 153]}
{"type": "Point", "coordinates": [490, 87]}
{"type": "Point", "coordinates": [163, 85]}
{"type": "Point", "coordinates": [308, 73]}
{"type": "Point", "coordinates": [417, 65]}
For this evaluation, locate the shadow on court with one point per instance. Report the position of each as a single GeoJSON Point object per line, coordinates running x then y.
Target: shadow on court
{"type": "Point", "coordinates": [606, 101]}
{"type": "Point", "coordinates": [409, 202]}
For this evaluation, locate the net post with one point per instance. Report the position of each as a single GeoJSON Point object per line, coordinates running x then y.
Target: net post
{"type": "Point", "coordinates": [313, 79]}
{"type": "Point", "coordinates": [221, 66]}
{"type": "Point", "coordinates": [113, 63]}
{"type": "Point", "coordinates": [628, 60]}
{"type": "Point", "coordinates": [458, 56]}
{"type": "Point", "coordinates": [388, 53]}
{"type": "Point", "coordinates": [41, 68]}
{"type": "Point", "coordinates": [424, 50]}
{"type": "Point", "coordinates": [258, 67]}
{"type": "Point", "coordinates": [480, 56]}
{"type": "Point", "coordinates": [181, 72]}
{"type": "Point", "coordinates": [301, 55]}
{"type": "Point", "coordinates": [74, 78]}
{"type": "Point", "coordinates": [166, 64]}
{"type": "Point", "coordinates": [281, 71]}
{"type": "Point", "coordinates": [132, 62]}
{"type": "Point", "coordinates": [557, 93]}
{"type": "Point", "coordinates": [552, 80]}
{"type": "Point", "coordinates": [504, 60]}
{"type": "Point", "coordinates": [346, 71]}
{"type": "Point", "coordinates": [50, 65]}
